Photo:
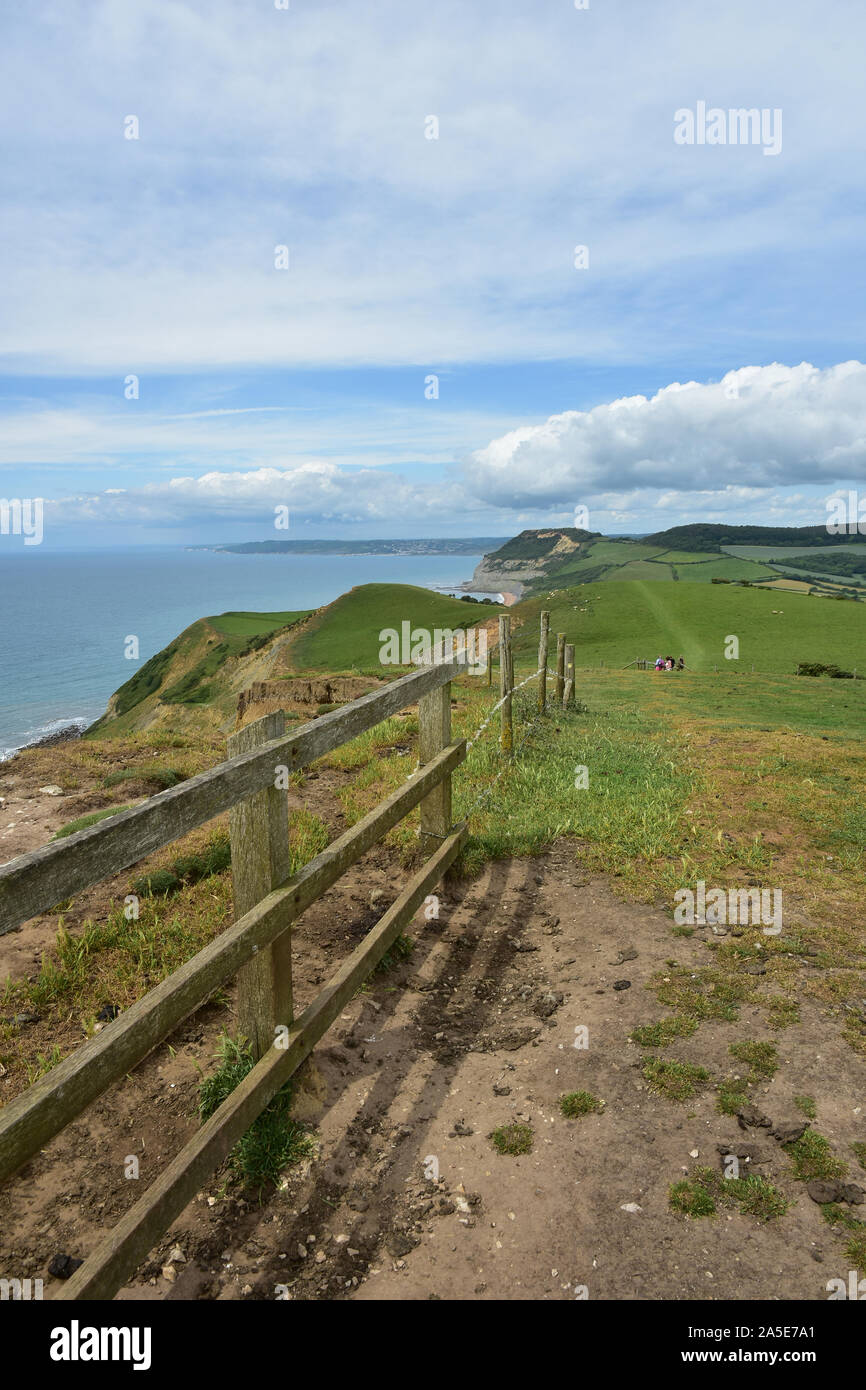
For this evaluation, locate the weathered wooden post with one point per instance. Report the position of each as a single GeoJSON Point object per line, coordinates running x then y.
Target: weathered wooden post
{"type": "Point", "coordinates": [434, 734]}
{"type": "Point", "coordinates": [489, 663]}
{"type": "Point", "coordinates": [506, 737]}
{"type": "Point", "coordinates": [543, 646]}
{"type": "Point", "coordinates": [259, 833]}
{"type": "Point", "coordinates": [560, 667]}
{"type": "Point", "coordinates": [569, 676]}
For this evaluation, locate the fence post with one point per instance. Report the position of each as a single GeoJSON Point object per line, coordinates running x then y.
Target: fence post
{"type": "Point", "coordinates": [259, 832]}
{"type": "Point", "coordinates": [543, 647]}
{"type": "Point", "coordinates": [489, 664]}
{"type": "Point", "coordinates": [506, 738]}
{"type": "Point", "coordinates": [560, 667]}
{"type": "Point", "coordinates": [569, 675]}
{"type": "Point", "coordinates": [434, 734]}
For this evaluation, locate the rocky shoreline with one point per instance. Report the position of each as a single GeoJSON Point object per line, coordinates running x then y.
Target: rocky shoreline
{"type": "Point", "coordinates": [64, 735]}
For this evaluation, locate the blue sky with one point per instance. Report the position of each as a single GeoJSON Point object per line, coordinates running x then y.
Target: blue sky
{"type": "Point", "coordinates": [722, 267]}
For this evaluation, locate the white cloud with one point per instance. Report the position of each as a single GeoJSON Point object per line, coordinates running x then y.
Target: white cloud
{"type": "Point", "coordinates": [759, 427]}
{"type": "Point", "coordinates": [318, 491]}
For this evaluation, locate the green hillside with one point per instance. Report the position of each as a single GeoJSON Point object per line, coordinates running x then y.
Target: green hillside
{"type": "Point", "coordinates": [541, 561]}
{"type": "Point", "coordinates": [191, 670]}
{"type": "Point", "coordinates": [714, 536]}
{"type": "Point", "coordinates": [616, 622]}
{"type": "Point", "coordinates": [344, 636]}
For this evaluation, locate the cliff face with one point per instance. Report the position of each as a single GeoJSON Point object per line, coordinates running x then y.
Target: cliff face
{"type": "Point", "coordinates": [527, 558]}
{"type": "Point", "coordinates": [506, 576]}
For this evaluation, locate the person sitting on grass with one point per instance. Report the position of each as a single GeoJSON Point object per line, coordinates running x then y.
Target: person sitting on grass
{"type": "Point", "coordinates": [681, 665]}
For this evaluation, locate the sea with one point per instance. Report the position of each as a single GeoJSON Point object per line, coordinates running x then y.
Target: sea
{"type": "Point", "coordinates": [64, 616]}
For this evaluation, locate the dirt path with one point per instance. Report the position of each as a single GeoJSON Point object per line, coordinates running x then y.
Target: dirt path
{"type": "Point", "coordinates": [476, 1031]}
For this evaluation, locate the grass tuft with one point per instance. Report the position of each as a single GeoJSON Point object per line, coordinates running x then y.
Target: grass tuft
{"type": "Point", "coordinates": [812, 1157]}
{"type": "Point", "coordinates": [273, 1140]}
{"type": "Point", "coordinates": [676, 1081]}
{"type": "Point", "coordinates": [577, 1103]}
{"type": "Point", "coordinates": [512, 1139]}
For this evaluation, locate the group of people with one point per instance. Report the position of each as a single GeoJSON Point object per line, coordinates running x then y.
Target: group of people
{"type": "Point", "coordinates": [667, 663]}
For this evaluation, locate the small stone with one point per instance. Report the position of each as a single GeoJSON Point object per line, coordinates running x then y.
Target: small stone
{"type": "Point", "coordinates": [62, 1266]}
{"type": "Point", "coordinates": [630, 1207]}
{"type": "Point", "coordinates": [169, 1272]}
{"type": "Point", "coordinates": [177, 1256]}
{"type": "Point", "coordinates": [622, 984]}
{"type": "Point", "coordinates": [51, 790]}
{"type": "Point", "coordinates": [302, 1251]}
{"type": "Point", "coordinates": [853, 1194]}
{"type": "Point", "coordinates": [627, 953]}
{"type": "Point", "coordinates": [320, 1255]}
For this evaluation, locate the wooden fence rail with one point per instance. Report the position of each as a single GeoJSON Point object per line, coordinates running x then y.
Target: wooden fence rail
{"type": "Point", "coordinates": [251, 784]}
{"type": "Point", "coordinates": [36, 882]}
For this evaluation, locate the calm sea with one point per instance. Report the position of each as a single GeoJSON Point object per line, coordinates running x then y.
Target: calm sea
{"type": "Point", "coordinates": [64, 617]}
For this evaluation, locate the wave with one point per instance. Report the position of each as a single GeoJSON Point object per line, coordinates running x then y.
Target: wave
{"type": "Point", "coordinates": [42, 733]}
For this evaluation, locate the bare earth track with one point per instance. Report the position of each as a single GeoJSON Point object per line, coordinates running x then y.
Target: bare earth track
{"type": "Point", "coordinates": [474, 1031]}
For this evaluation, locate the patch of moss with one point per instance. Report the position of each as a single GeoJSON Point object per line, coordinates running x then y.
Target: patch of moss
{"type": "Point", "coordinates": [806, 1106]}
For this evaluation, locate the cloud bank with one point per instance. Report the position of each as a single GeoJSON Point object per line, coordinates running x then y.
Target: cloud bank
{"type": "Point", "coordinates": [759, 427]}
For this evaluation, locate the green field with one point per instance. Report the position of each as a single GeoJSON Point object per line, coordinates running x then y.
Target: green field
{"type": "Point", "coordinates": [723, 567]}
{"type": "Point", "coordinates": [253, 624]}
{"type": "Point", "coordinates": [782, 552]}
{"type": "Point", "coordinates": [345, 635]}
{"type": "Point", "coordinates": [652, 570]}
{"type": "Point", "coordinates": [633, 619]}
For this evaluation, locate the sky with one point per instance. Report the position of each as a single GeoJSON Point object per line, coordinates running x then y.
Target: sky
{"type": "Point", "coordinates": [422, 270]}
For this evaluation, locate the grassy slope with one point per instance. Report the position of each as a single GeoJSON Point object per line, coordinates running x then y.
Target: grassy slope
{"type": "Point", "coordinates": [345, 635]}
{"type": "Point", "coordinates": [723, 567]}
{"type": "Point", "coordinates": [614, 561]}
{"type": "Point", "coordinates": [633, 619]}
{"type": "Point", "coordinates": [189, 671]}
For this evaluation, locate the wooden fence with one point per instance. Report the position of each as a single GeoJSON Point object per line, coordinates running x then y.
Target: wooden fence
{"type": "Point", "coordinates": [257, 948]}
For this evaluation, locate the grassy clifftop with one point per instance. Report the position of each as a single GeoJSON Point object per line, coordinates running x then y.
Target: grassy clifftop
{"type": "Point", "coordinates": [541, 560]}
{"type": "Point", "coordinates": [344, 636]}
{"type": "Point", "coordinates": [196, 669]}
